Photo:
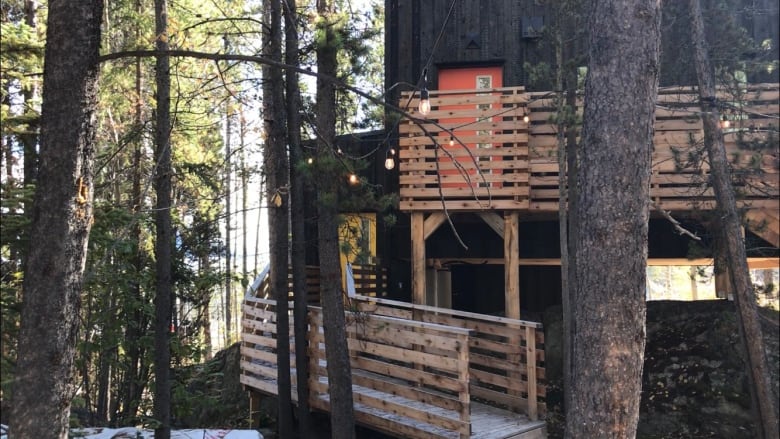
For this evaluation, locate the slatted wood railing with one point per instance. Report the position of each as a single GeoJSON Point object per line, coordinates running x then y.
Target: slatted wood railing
{"type": "Point", "coordinates": [408, 377]}
{"type": "Point", "coordinates": [470, 152]}
{"type": "Point", "coordinates": [527, 177]}
{"type": "Point", "coordinates": [507, 355]}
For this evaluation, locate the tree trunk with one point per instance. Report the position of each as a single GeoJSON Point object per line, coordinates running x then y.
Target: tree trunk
{"type": "Point", "coordinates": [228, 220]}
{"type": "Point", "coordinates": [764, 402]}
{"type": "Point", "coordinates": [610, 247]}
{"type": "Point", "coordinates": [298, 258]}
{"type": "Point", "coordinates": [164, 242]}
{"type": "Point", "coordinates": [62, 217]}
{"type": "Point", "coordinates": [277, 180]}
{"type": "Point", "coordinates": [342, 417]}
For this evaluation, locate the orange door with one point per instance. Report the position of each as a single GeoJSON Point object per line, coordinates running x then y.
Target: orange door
{"type": "Point", "coordinates": [464, 128]}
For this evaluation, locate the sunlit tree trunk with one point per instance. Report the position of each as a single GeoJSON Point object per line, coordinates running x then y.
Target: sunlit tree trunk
{"type": "Point", "coordinates": [764, 402]}
{"type": "Point", "coordinates": [61, 222]}
{"type": "Point", "coordinates": [612, 212]}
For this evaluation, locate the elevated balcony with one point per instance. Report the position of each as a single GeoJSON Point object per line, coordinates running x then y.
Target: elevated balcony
{"type": "Point", "coordinates": [500, 160]}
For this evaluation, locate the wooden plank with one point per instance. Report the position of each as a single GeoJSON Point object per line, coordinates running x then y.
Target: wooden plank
{"type": "Point", "coordinates": [405, 355]}
{"type": "Point", "coordinates": [395, 387]}
{"type": "Point", "coordinates": [421, 377]}
{"type": "Point", "coordinates": [420, 414]}
{"type": "Point", "coordinates": [418, 257]}
{"type": "Point", "coordinates": [530, 341]}
{"type": "Point", "coordinates": [463, 205]}
{"type": "Point", "coordinates": [511, 270]}
{"type": "Point", "coordinates": [268, 387]}
{"type": "Point", "coordinates": [432, 223]}
{"type": "Point", "coordinates": [269, 357]}
{"type": "Point", "coordinates": [494, 221]}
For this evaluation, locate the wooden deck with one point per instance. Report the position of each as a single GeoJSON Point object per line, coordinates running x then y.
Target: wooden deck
{"type": "Point", "coordinates": [502, 161]}
{"type": "Point", "coordinates": [443, 373]}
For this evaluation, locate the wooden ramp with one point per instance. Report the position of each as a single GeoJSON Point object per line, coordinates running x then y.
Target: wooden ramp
{"type": "Point", "coordinates": [470, 376]}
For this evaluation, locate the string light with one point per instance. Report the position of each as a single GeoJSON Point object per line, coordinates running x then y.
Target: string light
{"type": "Point", "coordinates": [526, 119]}
{"type": "Point", "coordinates": [425, 102]}
{"type": "Point", "coordinates": [389, 161]}
{"type": "Point", "coordinates": [310, 160]}
{"type": "Point", "coordinates": [353, 179]}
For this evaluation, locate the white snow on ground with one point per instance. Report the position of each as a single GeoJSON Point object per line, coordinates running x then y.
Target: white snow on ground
{"type": "Point", "coordinates": [134, 433]}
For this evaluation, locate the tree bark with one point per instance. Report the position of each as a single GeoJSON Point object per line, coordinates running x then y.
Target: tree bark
{"type": "Point", "coordinates": [342, 417]}
{"type": "Point", "coordinates": [164, 242]}
{"type": "Point", "coordinates": [610, 247]}
{"type": "Point", "coordinates": [764, 402]}
{"type": "Point", "coordinates": [62, 218]}
{"type": "Point", "coordinates": [277, 168]}
{"type": "Point", "coordinates": [297, 214]}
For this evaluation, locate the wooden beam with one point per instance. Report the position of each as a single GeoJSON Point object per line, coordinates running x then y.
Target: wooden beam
{"type": "Point", "coordinates": [494, 221]}
{"type": "Point", "coordinates": [432, 223]}
{"type": "Point", "coordinates": [418, 258]}
{"type": "Point", "coordinates": [753, 263]}
{"type": "Point", "coordinates": [511, 265]}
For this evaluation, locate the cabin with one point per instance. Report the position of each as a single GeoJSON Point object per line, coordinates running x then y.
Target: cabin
{"type": "Point", "coordinates": [444, 306]}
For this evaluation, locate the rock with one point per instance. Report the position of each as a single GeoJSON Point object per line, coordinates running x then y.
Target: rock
{"type": "Point", "coordinates": [694, 383]}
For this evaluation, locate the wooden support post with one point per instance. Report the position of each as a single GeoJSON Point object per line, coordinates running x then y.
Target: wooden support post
{"type": "Point", "coordinates": [418, 259]}
{"type": "Point", "coordinates": [254, 409]}
{"type": "Point", "coordinates": [464, 395]}
{"type": "Point", "coordinates": [530, 362]}
{"type": "Point", "coordinates": [511, 265]}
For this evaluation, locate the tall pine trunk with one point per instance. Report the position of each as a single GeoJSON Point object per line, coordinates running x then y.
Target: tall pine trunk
{"type": "Point", "coordinates": [342, 417]}
{"type": "Point", "coordinates": [164, 242]}
{"type": "Point", "coordinates": [612, 211]}
{"type": "Point", "coordinates": [61, 222]}
{"type": "Point", "coordinates": [277, 171]}
{"type": "Point", "coordinates": [298, 252]}
{"type": "Point", "coordinates": [764, 402]}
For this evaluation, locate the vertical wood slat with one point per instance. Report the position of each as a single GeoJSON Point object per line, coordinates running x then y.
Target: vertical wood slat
{"type": "Point", "coordinates": [512, 265]}
{"type": "Point", "coordinates": [530, 343]}
{"type": "Point", "coordinates": [463, 376]}
{"type": "Point", "coordinates": [418, 258]}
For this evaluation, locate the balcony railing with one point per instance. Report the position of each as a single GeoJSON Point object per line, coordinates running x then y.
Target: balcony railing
{"type": "Point", "coordinates": [497, 160]}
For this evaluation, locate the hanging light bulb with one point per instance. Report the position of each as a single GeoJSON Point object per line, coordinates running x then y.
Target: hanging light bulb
{"type": "Point", "coordinates": [526, 119]}
{"type": "Point", "coordinates": [725, 123]}
{"type": "Point", "coordinates": [389, 163]}
{"type": "Point", "coordinates": [425, 102]}
{"type": "Point", "coordinates": [392, 151]}
{"type": "Point", "coordinates": [452, 141]}
{"type": "Point", "coordinates": [310, 160]}
{"type": "Point", "coordinates": [353, 179]}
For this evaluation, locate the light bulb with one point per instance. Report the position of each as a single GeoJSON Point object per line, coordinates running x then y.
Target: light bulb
{"type": "Point", "coordinates": [425, 102]}
{"type": "Point", "coordinates": [725, 123]}
{"type": "Point", "coordinates": [452, 141]}
{"type": "Point", "coordinates": [389, 163]}
{"type": "Point", "coordinates": [310, 160]}
{"type": "Point", "coordinates": [392, 151]}
{"type": "Point", "coordinates": [526, 119]}
{"type": "Point", "coordinates": [353, 179]}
